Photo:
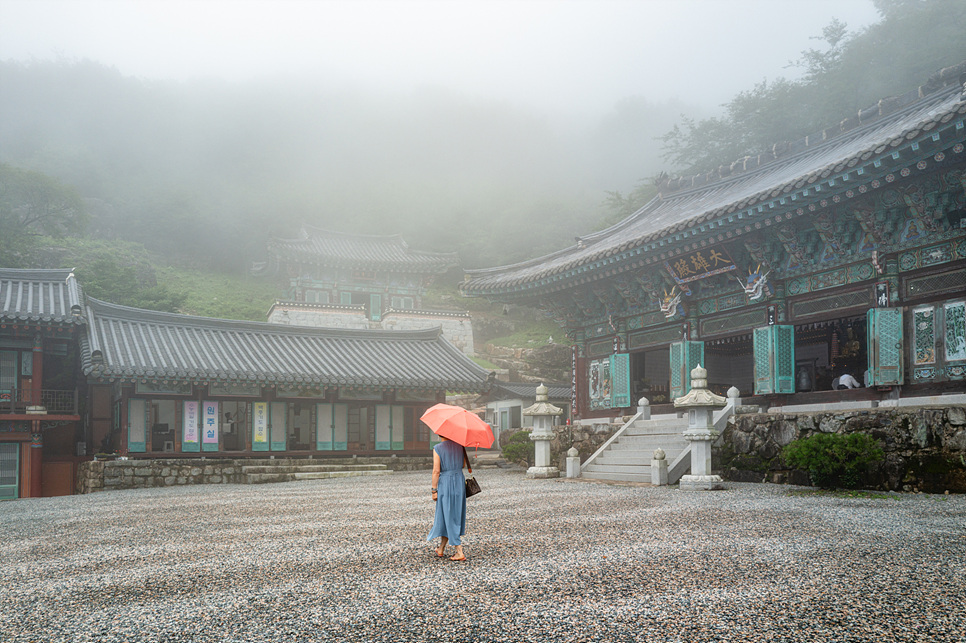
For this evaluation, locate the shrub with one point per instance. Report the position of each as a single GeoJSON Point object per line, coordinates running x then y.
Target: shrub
{"type": "Point", "coordinates": [833, 460]}
{"type": "Point", "coordinates": [519, 448]}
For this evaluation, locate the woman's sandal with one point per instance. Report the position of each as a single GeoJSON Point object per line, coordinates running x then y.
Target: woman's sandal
{"type": "Point", "coordinates": [440, 553]}
{"type": "Point", "coordinates": [458, 559]}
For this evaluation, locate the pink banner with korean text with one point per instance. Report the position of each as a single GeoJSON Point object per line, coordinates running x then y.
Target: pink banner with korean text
{"type": "Point", "coordinates": [209, 426]}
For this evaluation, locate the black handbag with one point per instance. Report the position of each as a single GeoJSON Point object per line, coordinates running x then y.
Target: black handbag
{"type": "Point", "coordinates": [472, 486]}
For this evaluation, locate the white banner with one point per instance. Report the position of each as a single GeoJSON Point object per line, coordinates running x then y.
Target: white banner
{"type": "Point", "coordinates": [190, 422]}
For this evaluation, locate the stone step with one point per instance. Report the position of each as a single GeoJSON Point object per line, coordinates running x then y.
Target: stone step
{"type": "Point", "coordinates": [661, 426]}
{"type": "Point", "coordinates": [617, 468]}
{"type": "Point", "coordinates": [621, 457]}
{"type": "Point", "coordinates": [645, 442]}
{"type": "Point", "coordinates": [288, 468]}
{"type": "Point", "coordinates": [676, 429]}
{"type": "Point", "coordinates": [290, 476]}
{"type": "Point", "coordinates": [617, 477]}
{"type": "Point", "coordinates": [321, 475]}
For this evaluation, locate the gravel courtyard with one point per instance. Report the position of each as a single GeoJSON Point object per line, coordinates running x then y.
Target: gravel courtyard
{"type": "Point", "coordinates": [549, 560]}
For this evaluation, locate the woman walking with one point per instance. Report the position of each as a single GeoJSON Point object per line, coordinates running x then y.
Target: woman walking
{"type": "Point", "coordinates": [449, 492]}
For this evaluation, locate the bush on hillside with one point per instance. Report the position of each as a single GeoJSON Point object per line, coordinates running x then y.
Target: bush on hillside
{"type": "Point", "coordinates": [519, 448]}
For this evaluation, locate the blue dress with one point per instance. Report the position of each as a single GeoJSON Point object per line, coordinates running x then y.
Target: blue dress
{"type": "Point", "coordinates": [450, 518]}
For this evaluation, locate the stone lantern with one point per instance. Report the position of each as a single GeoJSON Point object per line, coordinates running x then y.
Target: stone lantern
{"type": "Point", "coordinates": [700, 404]}
{"type": "Point", "coordinates": [542, 412]}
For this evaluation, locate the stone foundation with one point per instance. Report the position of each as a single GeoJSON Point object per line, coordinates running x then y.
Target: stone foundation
{"type": "Point", "coordinates": [107, 475]}
{"type": "Point", "coordinates": [925, 448]}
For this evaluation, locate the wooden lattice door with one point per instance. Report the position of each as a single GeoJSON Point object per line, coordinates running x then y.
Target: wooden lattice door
{"type": "Point", "coordinates": [938, 347]}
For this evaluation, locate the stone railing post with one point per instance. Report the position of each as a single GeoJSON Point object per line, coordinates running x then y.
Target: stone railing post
{"type": "Point", "coordinates": [644, 408]}
{"type": "Point", "coordinates": [659, 468]}
{"type": "Point", "coordinates": [573, 463]}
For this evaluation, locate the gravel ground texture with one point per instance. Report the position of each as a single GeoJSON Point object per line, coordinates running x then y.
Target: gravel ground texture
{"type": "Point", "coordinates": [548, 560]}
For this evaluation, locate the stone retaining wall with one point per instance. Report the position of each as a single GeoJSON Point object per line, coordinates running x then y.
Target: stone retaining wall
{"type": "Point", "coordinates": [925, 448]}
{"type": "Point", "coordinates": [106, 475]}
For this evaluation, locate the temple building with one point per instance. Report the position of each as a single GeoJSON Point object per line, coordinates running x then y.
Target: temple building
{"type": "Point", "coordinates": [841, 254]}
{"type": "Point", "coordinates": [162, 383]}
{"type": "Point", "coordinates": [505, 401]}
{"type": "Point", "coordinates": [81, 377]}
{"type": "Point", "coordinates": [341, 280]}
{"type": "Point", "coordinates": [40, 389]}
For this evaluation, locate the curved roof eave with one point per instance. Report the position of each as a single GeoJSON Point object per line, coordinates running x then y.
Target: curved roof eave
{"type": "Point", "coordinates": [601, 245]}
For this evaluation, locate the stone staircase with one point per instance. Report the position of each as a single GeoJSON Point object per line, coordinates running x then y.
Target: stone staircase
{"type": "Point", "coordinates": [627, 456]}
{"type": "Point", "coordinates": [282, 471]}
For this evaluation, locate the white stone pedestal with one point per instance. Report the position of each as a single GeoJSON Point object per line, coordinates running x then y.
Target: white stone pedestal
{"type": "Point", "coordinates": [700, 478]}
{"type": "Point", "coordinates": [701, 483]}
{"type": "Point", "coordinates": [573, 463]}
{"type": "Point", "coordinates": [543, 472]}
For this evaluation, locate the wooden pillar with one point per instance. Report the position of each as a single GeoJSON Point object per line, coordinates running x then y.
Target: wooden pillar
{"type": "Point", "coordinates": [122, 436]}
{"type": "Point", "coordinates": [35, 459]}
{"type": "Point", "coordinates": [37, 376]}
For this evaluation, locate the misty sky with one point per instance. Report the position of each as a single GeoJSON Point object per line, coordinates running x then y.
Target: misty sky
{"type": "Point", "coordinates": [560, 57]}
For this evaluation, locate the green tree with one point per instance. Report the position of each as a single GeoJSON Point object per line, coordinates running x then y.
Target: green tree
{"type": "Point", "coordinates": [850, 72]}
{"type": "Point", "coordinates": [106, 278]}
{"type": "Point", "coordinates": [620, 206]}
{"type": "Point", "coordinates": [33, 205]}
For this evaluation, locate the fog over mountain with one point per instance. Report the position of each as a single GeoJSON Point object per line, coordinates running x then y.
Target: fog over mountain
{"type": "Point", "coordinates": [492, 128]}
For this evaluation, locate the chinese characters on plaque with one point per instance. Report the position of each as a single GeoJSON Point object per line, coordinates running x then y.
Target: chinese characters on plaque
{"type": "Point", "coordinates": [698, 265]}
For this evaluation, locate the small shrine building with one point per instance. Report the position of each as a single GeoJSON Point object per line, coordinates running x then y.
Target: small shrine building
{"type": "Point", "coordinates": [843, 253]}
{"type": "Point", "coordinates": [340, 280]}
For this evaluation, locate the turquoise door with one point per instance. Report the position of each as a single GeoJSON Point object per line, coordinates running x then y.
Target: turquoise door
{"type": "Point", "coordinates": [620, 373]}
{"type": "Point", "coordinates": [9, 471]}
{"type": "Point", "coordinates": [884, 330]}
{"type": "Point", "coordinates": [375, 307]}
{"type": "Point", "coordinates": [277, 428]}
{"type": "Point", "coordinates": [938, 342]}
{"type": "Point", "coordinates": [685, 357]}
{"type": "Point", "coordinates": [774, 360]}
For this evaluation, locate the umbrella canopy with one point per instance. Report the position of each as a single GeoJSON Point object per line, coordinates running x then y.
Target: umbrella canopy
{"type": "Point", "coordinates": [459, 425]}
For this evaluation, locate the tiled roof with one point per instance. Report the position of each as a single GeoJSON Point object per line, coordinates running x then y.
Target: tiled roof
{"type": "Point", "coordinates": [790, 177]}
{"type": "Point", "coordinates": [370, 252]}
{"type": "Point", "coordinates": [51, 296]}
{"type": "Point", "coordinates": [129, 343]}
{"type": "Point", "coordinates": [528, 391]}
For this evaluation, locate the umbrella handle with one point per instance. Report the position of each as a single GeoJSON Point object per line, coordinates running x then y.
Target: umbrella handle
{"type": "Point", "coordinates": [467, 461]}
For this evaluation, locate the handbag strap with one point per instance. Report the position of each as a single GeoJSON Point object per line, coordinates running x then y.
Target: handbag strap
{"type": "Point", "coordinates": [467, 461]}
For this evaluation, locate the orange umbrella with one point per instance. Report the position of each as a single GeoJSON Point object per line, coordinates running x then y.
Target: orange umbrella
{"type": "Point", "coordinates": [459, 425]}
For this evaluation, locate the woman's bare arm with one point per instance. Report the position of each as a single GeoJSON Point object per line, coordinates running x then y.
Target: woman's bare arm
{"type": "Point", "coordinates": [436, 469]}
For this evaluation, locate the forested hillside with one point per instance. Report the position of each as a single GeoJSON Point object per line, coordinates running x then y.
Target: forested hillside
{"type": "Point", "coordinates": [845, 72]}
{"type": "Point", "coordinates": [140, 183]}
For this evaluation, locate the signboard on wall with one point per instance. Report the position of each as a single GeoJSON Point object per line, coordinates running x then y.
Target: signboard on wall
{"type": "Point", "coordinates": [699, 264]}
